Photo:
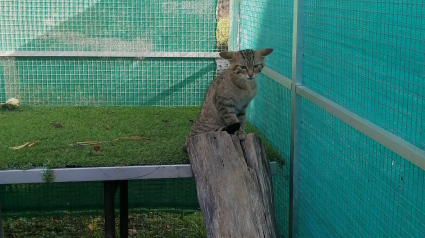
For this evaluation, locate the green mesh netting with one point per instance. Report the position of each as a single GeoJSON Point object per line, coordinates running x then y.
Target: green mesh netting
{"type": "Point", "coordinates": [157, 208]}
{"type": "Point", "coordinates": [268, 23]}
{"type": "Point", "coordinates": [351, 186]}
{"type": "Point", "coordinates": [108, 25]}
{"type": "Point", "coordinates": [87, 197]}
{"type": "Point", "coordinates": [270, 112]}
{"type": "Point", "coordinates": [369, 58]}
{"type": "Point", "coordinates": [99, 81]}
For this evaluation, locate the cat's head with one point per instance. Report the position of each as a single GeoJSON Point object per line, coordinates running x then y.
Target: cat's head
{"type": "Point", "coordinates": [246, 63]}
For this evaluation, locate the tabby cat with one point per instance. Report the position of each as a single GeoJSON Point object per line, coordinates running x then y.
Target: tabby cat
{"type": "Point", "coordinates": [229, 94]}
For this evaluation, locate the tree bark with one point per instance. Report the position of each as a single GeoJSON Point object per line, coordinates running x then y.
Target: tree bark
{"type": "Point", "coordinates": [234, 185]}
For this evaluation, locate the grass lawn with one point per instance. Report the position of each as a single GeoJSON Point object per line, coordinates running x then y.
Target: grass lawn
{"type": "Point", "coordinates": [111, 136]}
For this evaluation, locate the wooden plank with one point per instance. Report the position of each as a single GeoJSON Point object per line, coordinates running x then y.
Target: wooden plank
{"type": "Point", "coordinates": [234, 192]}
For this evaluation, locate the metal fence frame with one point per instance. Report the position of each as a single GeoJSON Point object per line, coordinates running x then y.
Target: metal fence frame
{"type": "Point", "coordinates": [89, 174]}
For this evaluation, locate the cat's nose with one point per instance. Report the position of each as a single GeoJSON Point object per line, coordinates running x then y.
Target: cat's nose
{"type": "Point", "coordinates": [251, 75]}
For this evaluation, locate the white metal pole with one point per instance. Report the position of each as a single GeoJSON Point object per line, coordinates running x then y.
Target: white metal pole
{"type": "Point", "coordinates": [234, 25]}
{"type": "Point", "coordinates": [112, 54]}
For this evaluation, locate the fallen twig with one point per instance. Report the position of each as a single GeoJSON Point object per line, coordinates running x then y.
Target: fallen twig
{"type": "Point", "coordinates": [29, 144]}
{"type": "Point", "coordinates": [33, 143]}
{"type": "Point", "coordinates": [86, 143]}
{"type": "Point", "coordinates": [133, 138]}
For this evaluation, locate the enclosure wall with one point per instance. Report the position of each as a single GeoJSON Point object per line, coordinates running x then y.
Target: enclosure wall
{"type": "Point", "coordinates": [369, 58]}
{"type": "Point", "coordinates": [150, 52]}
{"type": "Point", "coordinates": [86, 197]}
{"type": "Point", "coordinates": [261, 21]}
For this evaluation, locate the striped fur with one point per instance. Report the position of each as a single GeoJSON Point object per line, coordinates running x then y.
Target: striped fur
{"type": "Point", "coordinates": [227, 97]}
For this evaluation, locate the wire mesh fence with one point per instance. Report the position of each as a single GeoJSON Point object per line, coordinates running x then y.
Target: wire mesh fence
{"type": "Point", "coordinates": [100, 81]}
{"type": "Point", "coordinates": [158, 208]}
{"type": "Point", "coordinates": [351, 186]}
{"type": "Point", "coordinates": [370, 58]}
{"type": "Point", "coordinates": [108, 25]}
{"type": "Point", "coordinates": [268, 112]}
{"type": "Point", "coordinates": [269, 24]}
{"type": "Point", "coordinates": [260, 22]}
{"type": "Point", "coordinates": [150, 224]}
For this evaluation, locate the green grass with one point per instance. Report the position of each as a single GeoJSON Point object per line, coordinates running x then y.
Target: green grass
{"type": "Point", "coordinates": [146, 225]}
{"type": "Point", "coordinates": [163, 129]}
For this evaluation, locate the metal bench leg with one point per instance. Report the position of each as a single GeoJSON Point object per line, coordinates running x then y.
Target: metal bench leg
{"type": "Point", "coordinates": [124, 209]}
{"type": "Point", "coordinates": [1, 225]}
{"type": "Point", "coordinates": [109, 190]}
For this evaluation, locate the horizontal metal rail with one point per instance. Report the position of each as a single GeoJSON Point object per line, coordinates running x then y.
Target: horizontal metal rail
{"type": "Point", "coordinates": [277, 77]}
{"type": "Point", "coordinates": [394, 143]}
{"type": "Point", "coordinates": [102, 173]}
{"type": "Point", "coordinates": [112, 54]}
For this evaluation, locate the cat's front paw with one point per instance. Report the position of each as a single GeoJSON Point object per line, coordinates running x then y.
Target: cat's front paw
{"type": "Point", "coordinates": [241, 135]}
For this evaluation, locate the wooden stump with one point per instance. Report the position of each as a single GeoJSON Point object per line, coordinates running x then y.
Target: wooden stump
{"type": "Point", "coordinates": [234, 186]}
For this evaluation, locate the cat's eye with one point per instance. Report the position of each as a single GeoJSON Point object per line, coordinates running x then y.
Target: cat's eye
{"type": "Point", "coordinates": [243, 67]}
{"type": "Point", "coordinates": [256, 66]}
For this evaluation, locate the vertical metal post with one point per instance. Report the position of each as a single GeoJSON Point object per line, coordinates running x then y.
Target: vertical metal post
{"type": "Point", "coordinates": [234, 24]}
{"type": "Point", "coordinates": [297, 58]}
{"type": "Point", "coordinates": [124, 208]}
{"type": "Point", "coordinates": [1, 224]}
{"type": "Point", "coordinates": [109, 190]}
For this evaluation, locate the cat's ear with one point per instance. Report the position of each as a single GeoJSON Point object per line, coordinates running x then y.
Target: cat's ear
{"type": "Point", "coordinates": [264, 52]}
{"type": "Point", "coordinates": [227, 55]}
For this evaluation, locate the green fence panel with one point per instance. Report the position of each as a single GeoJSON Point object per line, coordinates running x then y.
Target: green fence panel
{"type": "Point", "coordinates": [370, 58]}
{"type": "Point", "coordinates": [268, 23]}
{"type": "Point", "coordinates": [351, 186]}
{"type": "Point", "coordinates": [108, 25]}
{"type": "Point", "coordinates": [270, 112]}
{"type": "Point", "coordinates": [87, 197]}
{"type": "Point", "coordinates": [100, 81]}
